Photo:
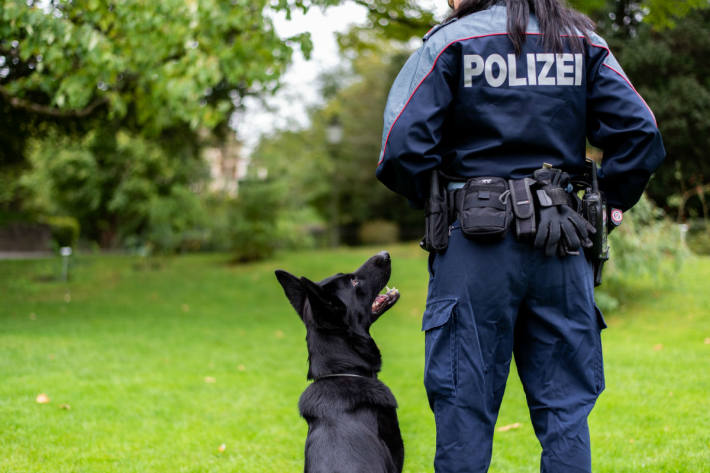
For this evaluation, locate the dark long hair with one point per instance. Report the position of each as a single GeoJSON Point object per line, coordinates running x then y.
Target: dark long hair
{"type": "Point", "coordinates": [555, 20]}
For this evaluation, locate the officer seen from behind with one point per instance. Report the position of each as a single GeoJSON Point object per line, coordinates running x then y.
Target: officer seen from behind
{"type": "Point", "coordinates": [487, 125]}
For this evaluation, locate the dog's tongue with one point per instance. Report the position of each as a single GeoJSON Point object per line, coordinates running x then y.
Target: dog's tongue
{"type": "Point", "coordinates": [385, 301]}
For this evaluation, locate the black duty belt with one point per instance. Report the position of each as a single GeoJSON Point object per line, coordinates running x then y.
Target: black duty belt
{"type": "Point", "coordinates": [517, 196]}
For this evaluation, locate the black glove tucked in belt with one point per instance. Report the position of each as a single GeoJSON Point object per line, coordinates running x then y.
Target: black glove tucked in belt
{"type": "Point", "coordinates": [561, 230]}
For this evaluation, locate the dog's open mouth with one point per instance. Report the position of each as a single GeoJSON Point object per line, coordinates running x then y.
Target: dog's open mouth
{"type": "Point", "coordinates": [385, 301]}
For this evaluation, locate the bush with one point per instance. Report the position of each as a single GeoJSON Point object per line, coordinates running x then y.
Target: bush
{"type": "Point", "coordinates": [253, 220]}
{"type": "Point", "coordinates": [300, 229]}
{"type": "Point", "coordinates": [65, 230]}
{"type": "Point", "coordinates": [122, 188]}
{"type": "Point", "coordinates": [174, 221]}
{"type": "Point", "coordinates": [699, 243]}
{"type": "Point", "coordinates": [646, 248]}
{"type": "Point", "coordinates": [698, 238]}
{"type": "Point", "coordinates": [378, 232]}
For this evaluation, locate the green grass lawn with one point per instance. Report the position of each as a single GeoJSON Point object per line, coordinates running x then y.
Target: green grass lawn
{"type": "Point", "coordinates": [153, 369]}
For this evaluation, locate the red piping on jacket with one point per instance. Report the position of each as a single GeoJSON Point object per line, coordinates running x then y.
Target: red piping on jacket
{"type": "Point", "coordinates": [626, 80]}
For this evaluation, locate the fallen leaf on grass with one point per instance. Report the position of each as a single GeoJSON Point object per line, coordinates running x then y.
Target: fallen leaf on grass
{"type": "Point", "coordinates": [222, 448]}
{"type": "Point", "coordinates": [42, 399]}
{"type": "Point", "coordinates": [658, 347]}
{"type": "Point", "coordinates": [66, 407]}
{"type": "Point", "coordinates": [210, 379]}
{"type": "Point", "coordinates": [506, 428]}
{"type": "Point", "coordinates": [707, 341]}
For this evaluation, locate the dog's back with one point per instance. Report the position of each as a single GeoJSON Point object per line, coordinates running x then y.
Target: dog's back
{"type": "Point", "coordinates": [352, 427]}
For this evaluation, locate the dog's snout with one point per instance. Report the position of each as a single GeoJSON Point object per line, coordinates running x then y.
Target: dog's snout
{"type": "Point", "coordinates": [384, 257]}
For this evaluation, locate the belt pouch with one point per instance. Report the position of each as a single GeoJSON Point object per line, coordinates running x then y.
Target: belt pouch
{"type": "Point", "coordinates": [485, 211]}
{"type": "Point", "coordinates": [436, 219]}
{"type": "Point", "coordinates": [523, 207]}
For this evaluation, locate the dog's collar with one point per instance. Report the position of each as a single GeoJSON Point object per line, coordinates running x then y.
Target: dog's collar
{"type": "Point", "coordinates": [337, 375]}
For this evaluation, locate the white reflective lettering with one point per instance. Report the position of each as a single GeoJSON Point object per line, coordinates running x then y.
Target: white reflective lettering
{"type": "Point", "coordinates": [472, 67]}
{"type": "Point", "coordinates": [578, 68]}
{"type": "Point", "coordinates": [513, 79]}
{"type": "Point", "coordinates": [565, 70]}
{"type": "Point", "coordinates": [538, 69]}
{"type": "Point", "coordinates": [493, 80]}
{"type": "Point", "coordinates": [548, 59]}
{"type": "Point", "coordinates": [532, 70]}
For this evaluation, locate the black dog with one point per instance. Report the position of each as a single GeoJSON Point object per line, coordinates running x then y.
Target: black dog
{"type": "Point", "coordinates": [351, 415]}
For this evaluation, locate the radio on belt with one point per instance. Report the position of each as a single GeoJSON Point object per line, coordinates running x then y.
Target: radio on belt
{"type": "Point", "coordinates": [594, 210]}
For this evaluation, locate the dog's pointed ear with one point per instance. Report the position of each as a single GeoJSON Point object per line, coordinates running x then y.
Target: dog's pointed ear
{"type": "Point", "coordinates": [328, 310]}
{"type": "Point", "coordinates": [295, 292]}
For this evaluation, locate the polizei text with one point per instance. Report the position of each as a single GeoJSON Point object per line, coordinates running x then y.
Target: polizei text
{"type": "Point", "coordinates": [540, 69]}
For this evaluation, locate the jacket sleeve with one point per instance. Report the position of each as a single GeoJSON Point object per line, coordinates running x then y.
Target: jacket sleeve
{"type": "Point", "coordinates": [620, 123]}
{"type": "Point", "coordinates": [414, 116]}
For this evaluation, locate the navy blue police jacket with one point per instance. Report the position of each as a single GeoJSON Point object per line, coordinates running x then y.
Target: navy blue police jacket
{"type": "Point", "coordinates": [465, 103]}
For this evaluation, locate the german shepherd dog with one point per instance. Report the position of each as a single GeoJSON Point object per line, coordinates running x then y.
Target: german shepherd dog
{"type": "Point", "coordinates": [351, 415]}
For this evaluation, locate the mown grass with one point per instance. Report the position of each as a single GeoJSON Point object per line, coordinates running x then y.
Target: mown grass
{"type": "Point", "coordinates": [160, 366]}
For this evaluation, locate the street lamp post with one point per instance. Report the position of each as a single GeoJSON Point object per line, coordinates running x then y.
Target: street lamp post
{"type": "Point", "coordinates": [66, 253]}
{"type": "Point", "coordinates": [334, 137]}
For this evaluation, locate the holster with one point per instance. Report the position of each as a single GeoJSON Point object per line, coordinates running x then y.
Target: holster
{"type": "Point", "coordinates": [436, 216]}
{"type": "Point", "coordinates": [523, 207]}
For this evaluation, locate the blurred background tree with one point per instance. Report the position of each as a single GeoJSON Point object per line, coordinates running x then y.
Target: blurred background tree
{"type": "Point", "coordinates": [106, 105]}
{"type": "Point", "coordinates": [111, 181]}
{"type": "Point", "coordinates": [152, 67]}
{"type": "Point", "coordinates": [663, 45]}
{"type": "Point", "coordinates": [671, 71]}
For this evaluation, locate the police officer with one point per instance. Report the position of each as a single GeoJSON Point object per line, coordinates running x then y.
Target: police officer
{"type": "Point", "coordinates": [497, 90]}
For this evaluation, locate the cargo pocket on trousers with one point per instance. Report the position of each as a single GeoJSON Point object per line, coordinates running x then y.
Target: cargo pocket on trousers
{"type": "Point", "coordinates": [440, 348]}
{"type": "Point", "coordinates": [599, 368]}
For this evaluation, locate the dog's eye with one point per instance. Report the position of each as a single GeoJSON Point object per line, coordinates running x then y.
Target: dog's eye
{"type": "Point", "coordinates": [354, 282]}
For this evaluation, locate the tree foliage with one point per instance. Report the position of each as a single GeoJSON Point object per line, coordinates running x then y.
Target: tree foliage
{"type": "Point", "coordinates": [387, 21]}
{"type": "Point", "coordinates": [359, 107]}
{"type": "Point", "coordinates": [113, 100]}
{"type": "Point", "coordinates": [664, 14]}
{"type": "Point", "coordinates": [298, 161]}
{"type": "Point", "coordinates": [670, 70]}
{"type": "Point", "coordinates": [162, 70]}
{"type": "Point", "coordinates": [155, 64]}
{"type": "Point", "coordinates": [112, 183]}
{"type": "Point", "coordinates": [337, 179]}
